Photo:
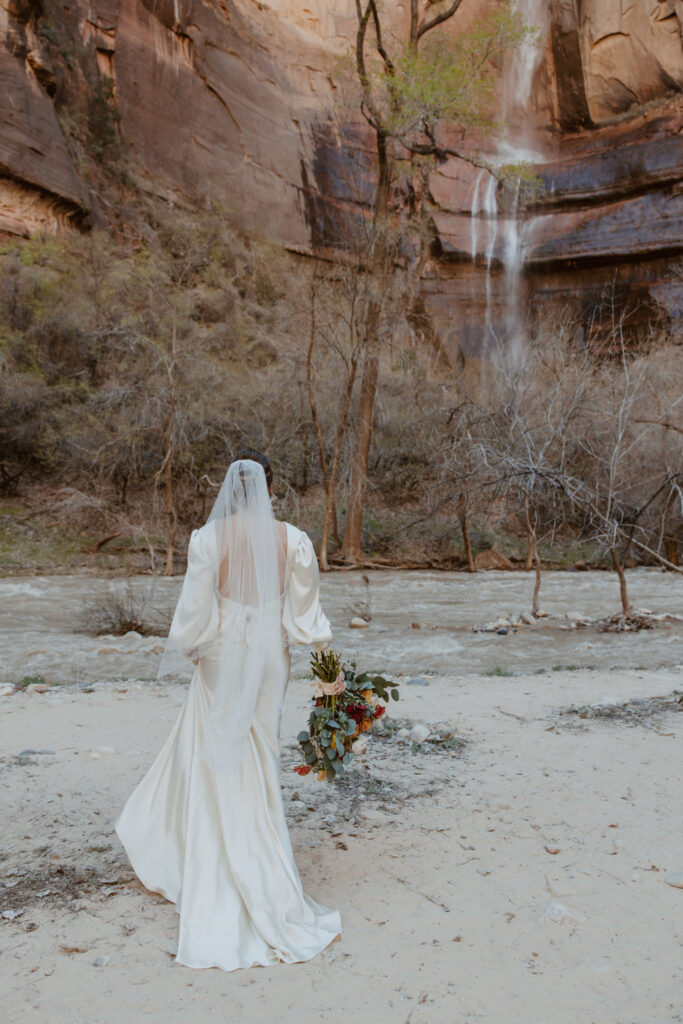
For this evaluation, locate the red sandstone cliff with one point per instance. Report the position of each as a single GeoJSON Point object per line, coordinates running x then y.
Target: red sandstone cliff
{"type": "Point", "coordinates": [226, 98]}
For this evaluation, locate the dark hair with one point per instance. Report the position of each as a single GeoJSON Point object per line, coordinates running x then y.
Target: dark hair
{"type": "Point", "coordinates": [255, 456]}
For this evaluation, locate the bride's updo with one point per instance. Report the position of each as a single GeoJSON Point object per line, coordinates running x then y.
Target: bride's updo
{"type": "Point", "coordinates": [256, 456]}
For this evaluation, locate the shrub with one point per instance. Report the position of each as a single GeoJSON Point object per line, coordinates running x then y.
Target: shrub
{"type": "Point", "coordinates": [116, 613]}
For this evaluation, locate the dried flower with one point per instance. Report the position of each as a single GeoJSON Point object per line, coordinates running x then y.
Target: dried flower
{"type": "Point", "coordinates": [345, 704]}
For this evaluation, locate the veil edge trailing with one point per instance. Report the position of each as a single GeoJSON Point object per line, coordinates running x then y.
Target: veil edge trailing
{"type": "Point", "coordinates": [228, 614]}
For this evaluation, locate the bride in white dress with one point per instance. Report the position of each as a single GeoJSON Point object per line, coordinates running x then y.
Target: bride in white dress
{"type": "Point", "coordinates": [206, 826]}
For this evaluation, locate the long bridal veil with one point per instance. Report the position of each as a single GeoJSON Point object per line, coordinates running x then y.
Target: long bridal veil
{"type": "Point", "coordinates": [246, 562]}
{"type": "Point", "coordinates": [206, 826]}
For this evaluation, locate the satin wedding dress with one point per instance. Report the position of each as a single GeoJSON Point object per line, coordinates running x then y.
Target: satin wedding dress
{"type": "Point", "coordinates": [208, 832]}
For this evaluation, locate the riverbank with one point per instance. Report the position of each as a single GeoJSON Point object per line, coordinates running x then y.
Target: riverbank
{"type": "Point", "coordinates": [529, 871]}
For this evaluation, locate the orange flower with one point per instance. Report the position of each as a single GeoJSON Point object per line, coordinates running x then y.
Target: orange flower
{"type": "Point", "coordinates": [302, 769]}
{"type": "Point", "coordinates": [322, 775]}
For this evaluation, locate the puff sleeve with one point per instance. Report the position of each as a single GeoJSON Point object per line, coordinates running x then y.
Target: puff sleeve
{"type": "Point", "coordinates": [196, 617]}
{"type": "Point", "coordinates": [302, 617]}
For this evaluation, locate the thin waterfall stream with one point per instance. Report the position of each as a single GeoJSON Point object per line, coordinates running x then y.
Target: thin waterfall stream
{"type": "Point", "coordinates": [516, 148]}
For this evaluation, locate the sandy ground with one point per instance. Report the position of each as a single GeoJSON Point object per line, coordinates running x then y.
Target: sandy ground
{"type": "Point", "coordinates": [522, 878]}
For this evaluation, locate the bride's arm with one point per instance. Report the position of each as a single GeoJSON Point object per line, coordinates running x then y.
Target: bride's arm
{"type": "Point", "coordinates": [195, 620]}
{"type": "Point", "coordinates": [302, 617]}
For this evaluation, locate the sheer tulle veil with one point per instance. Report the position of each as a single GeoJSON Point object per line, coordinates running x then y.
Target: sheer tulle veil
{"type": "Point", "coordinates": [247, 558]}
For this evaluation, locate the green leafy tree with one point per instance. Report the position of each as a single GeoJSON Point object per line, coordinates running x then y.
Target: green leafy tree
{"type": "Point", "coordinates": [418, 93]}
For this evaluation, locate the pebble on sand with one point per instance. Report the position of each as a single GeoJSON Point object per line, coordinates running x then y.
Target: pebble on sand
{"type": "Point", "coordinates": [358, 623]}
{"type": "Point", "coordinates": [559, 913]}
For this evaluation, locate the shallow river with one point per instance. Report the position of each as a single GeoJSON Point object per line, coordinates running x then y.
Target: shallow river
{"type": "Point", "coordinates": [41, 619]}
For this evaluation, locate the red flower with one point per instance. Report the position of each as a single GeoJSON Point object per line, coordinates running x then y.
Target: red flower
{"type": "Point", "coordinates": [357, 712]}
{"type": "Point", "coordinates": [302, 769]}
{"type": "Point", "coordinates": [379, 711]}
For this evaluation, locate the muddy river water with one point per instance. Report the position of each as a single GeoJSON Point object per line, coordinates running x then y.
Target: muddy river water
{"type": "Point", "coordinates": [42, 618]}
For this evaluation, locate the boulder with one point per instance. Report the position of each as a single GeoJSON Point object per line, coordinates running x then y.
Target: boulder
{"type": "Point", "coordinates": [492, 559]}
{"type": "Point", "coordinates": [419, 732]}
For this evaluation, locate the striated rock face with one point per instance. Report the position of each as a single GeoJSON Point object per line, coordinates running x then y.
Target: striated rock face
{"type": "Point", "coordinates": [215, 98]}
{"type": "Point", "coordinates": [39, 185]}
{"type": "Point", "coordinates": [229, 99]}
{"type": "Point", "coordinates": [631, 52]}
{"type": "Point", "coordinates": [605, 239]}
{"type": "Point", "coordinates": [604, 244]}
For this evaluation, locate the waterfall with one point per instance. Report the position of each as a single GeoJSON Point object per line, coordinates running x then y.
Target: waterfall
{"type": "Point", "coordinates": [514, 264]}
{"type": "Point", "coordinates": [491, 211]}
{"type": "Point", "coordinates": [474, 223]}
{"type": "Point", "coordinates": [517, 148]}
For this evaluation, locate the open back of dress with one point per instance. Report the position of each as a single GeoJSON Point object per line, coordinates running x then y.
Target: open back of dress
{"type": "Point", "coordinates": [206, 825]}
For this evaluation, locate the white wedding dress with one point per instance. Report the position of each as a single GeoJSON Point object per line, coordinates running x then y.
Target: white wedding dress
{"type": "Point", "coordinates": [212, 836]}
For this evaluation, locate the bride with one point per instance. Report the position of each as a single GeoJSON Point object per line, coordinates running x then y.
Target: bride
{"type": "Point", "coordinates": [206, 826]}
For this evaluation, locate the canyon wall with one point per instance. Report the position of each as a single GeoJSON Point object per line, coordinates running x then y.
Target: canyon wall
{"type": "Point", "coordinates": [604, 242]}
{"type": "Point", "coordinates": [229, 99]}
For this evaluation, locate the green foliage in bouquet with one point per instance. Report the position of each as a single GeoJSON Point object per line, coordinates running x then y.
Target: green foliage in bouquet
{"type": "Point", "coordinates": [346, 704]}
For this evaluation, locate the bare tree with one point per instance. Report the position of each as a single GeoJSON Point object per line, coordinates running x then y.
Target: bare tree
{"type": "Point", "coordinates": [404, 97]}
{"type": "Point", "coordinates": [533, 395]}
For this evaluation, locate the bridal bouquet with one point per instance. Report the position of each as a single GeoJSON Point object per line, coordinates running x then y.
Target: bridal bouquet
{"type": "Point", "coordinates": [346, 704]}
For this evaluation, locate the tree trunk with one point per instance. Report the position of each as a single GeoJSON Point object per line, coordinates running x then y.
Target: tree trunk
{"type": "Point", "coordinates": [351, 547]}
{"type": "Point", "coordinates": [671, 549]}
{"type": "Point", "coordinates": [314, 415]}
{"type": "Point", "coordinates": [537, 584]}
{"type": "Point", "coordinates": [168, 455]}
{"type": "Point", "coordinates": [619, 569]}
{"type": "Point", "coordinates": [465, 530]}
{"type": "Point", "coordinates": [170, 508]}
{"type": "Point", "coordinates": [330, 519]}
{"type": "Point", "coordinates": [532, 552]}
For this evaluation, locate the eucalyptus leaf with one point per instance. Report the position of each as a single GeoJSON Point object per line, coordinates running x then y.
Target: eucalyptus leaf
{"type": "Point", "coordinates": [394, 695]}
